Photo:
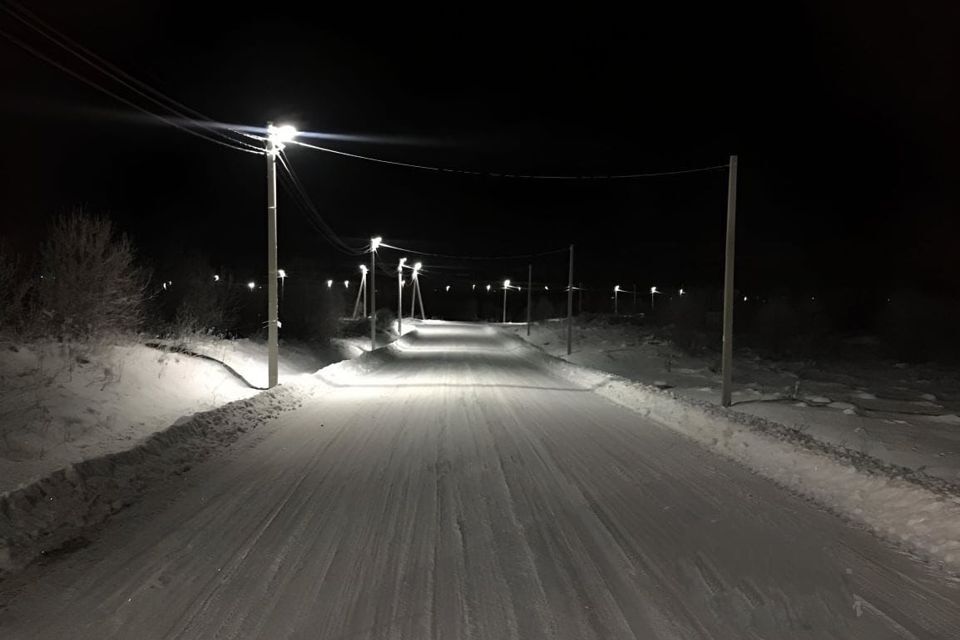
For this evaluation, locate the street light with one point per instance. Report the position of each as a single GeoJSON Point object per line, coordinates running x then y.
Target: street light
{"type": "Point", "coordinates": [276, 137]}
{"type": "Point", "coordinates": [216, 278]}
{"type": "Point", "coordinates": [616, 292]}
{"type": "Point", "coordinates": [653, 291]}
{"type": "Point", "coordinates": [400, 296]}
{"type": "Point", "coordinates": [374, 243]}
{"type": "Point", "coordinates": [506, 285]}
{"type": "Point", "coordinates": [251, 285]}
{"type": "Point", "coordinates": [488, 288]}
{"type": "Point", "coordinates": [329, 284]}
{"type": "Point", "coordinates": [346, 284]}
{"type": "Point", "coordinates": [447, 288]}
{"type": "Point", "coordinates": [682, 292]}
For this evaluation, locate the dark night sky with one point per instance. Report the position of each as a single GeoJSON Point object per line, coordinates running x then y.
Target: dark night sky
{"type": "Point", "coordinates": [846, 120]}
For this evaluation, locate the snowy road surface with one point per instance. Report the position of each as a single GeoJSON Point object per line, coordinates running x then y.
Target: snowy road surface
{"type": "Point", "coordinates": [462, 491]}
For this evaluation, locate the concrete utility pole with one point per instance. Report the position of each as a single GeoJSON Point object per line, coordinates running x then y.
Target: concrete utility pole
{"type": "Point", "coordinates": [273, 350]}
{"type": "Point", "coordinates": [529, 295]}
{"type": "Point", "coordinates": [400, 297]}
{"type": "Point", "coordinates": [727, 391]}
{"type": "Point", "coordinates": [374, 243]}
{"type": "Point", "coordinates": [506, 285]}
{"type": "Point", "coordinates": [570, 306]}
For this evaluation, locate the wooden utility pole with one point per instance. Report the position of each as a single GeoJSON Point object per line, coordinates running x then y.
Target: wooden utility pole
{"type": "Point", "coordinates": [726, 391]}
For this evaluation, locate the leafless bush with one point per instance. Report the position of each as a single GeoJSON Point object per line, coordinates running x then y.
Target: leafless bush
{"type": "Point", "coordinates": [91, 284]}
{"type": "Point", "coordinates": [16, 285]}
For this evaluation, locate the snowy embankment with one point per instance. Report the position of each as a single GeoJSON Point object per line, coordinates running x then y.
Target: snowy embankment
{"type": "Point", "coordinates": [918, 511]}
{"type": "Point", "coordinates": [83, 430]}
{"type": "Point", "coordinates": [904, 415]}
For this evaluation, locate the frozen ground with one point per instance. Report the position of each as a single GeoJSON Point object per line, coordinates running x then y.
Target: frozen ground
{"type": "Point", "coordinates": [60, 404]}
{"type": "Point", "coordinates": [456, 485]}
{"type": "Point", "coordinates": [903, 415]}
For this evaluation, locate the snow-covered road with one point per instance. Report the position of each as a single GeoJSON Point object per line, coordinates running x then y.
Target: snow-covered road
{"type": "Point", "coordinates": [463, 491]}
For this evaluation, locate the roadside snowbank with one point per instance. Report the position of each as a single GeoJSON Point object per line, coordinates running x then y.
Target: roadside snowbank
{"type": "Point", "coordinates": [910, 508]}
{"type": "Point", "coordinates": [53, 512]}
{"type": "Point", "coordinates": [907, 416]}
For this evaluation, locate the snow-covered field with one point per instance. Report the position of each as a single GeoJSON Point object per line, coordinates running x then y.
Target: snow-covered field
{"type": "Point", "coordinates": [460, 484]}
{"type": "Point", "coordinates": [60, 404]}
{"type": "Point", "coordinates": [903, 415]}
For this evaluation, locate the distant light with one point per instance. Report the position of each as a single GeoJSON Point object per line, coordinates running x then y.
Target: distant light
{"type": "Point", "coordinates": [375, 242]}
{"type": "Point", "coordinates": [744, 298]}
{"type": "Point", "coordinates": [363, 268]}
{"type": "Point", "coordinates": [682, 292]}
{"type": "Point", "coordinates": [653, 289]}
{"type": "Point", "coordinates": [164, 286]}
{"type": "Point", "coordinates": [447, 288]}
{"type": "Point", "coordinates": [473, 287]}
{"type": "Point", "coordinates": [346, 284]}
{"type": "Point", "coordinates": [546, 288]}
{"type": "Point", "coordinates": [488, 287]}
{"type": "Point", "coordinates": [251, 285]}
{"type": "Point", "coordinates": [281, 134]}
{"type": "Point", "coordinates": [506, 284]}
{"type": "Point", "coordinates": [329, 283]}
{"type": "Point", "coordinates": [616, 289]}
{"type": "Point", "coordinates": [400, 265]}
{"type": "Point", "coordinates": [281, 274]}
{"type": "Point", "coordinates": [216, 278]}
{"type": "Point", "coordinates": [279, 324]}
{"type": "Point", "coordinates": [418, 266]}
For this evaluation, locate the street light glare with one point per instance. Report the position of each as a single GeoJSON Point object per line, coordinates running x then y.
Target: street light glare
{"type": "Point", "coordinates": [281, 134]}
{"type": "Point", "coordinates": [363, 268]}
{"type": "Point", "coordinates": [653, 289]}
{"type": "Point", "coordinates": [346, 284]}
{"type": "Point", "coordinates": [329, 283]}
{"type": "Point", "coordinates": [506, 284]}
{"type": "Point", "coordinates": [251, 285]}
{"type": "Point", "coordinates": [418, 266]}
{"type": "Point", "coordinates": [375, 242]}
{"type": "Point", "coordinates": [281, 274]}
{"type": "Point", "coordinates": [616, 289]}
{"type": "Point", "coordinates": [216, 278]}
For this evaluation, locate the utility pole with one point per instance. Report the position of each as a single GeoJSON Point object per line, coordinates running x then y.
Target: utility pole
{"type": "Point", "coordinates": [361, 293]}
{"type": "Point", "coordinates": [273, 350]}
{"type": "Point", "coordinates": [727, 392]}
{"type": "Point", "coordinates": [529, 295]}
{"type": "Point", "coordinates": [616, 293]}
{"type": "Point", "coordinates": [374, 243]}
{"type": "Point", "coordinates": [400, 297]}
{"type": "Point", "coordinates": [423, 314]}
{"type": "Point", "coordinates": [570, 306]}
{"type": "Point", "coordinates": [506, 285]}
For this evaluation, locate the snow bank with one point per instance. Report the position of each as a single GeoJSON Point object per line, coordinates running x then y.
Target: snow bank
{"type": "Point", "coordinates": [48, 514]}
{"type": "Point", "coordinates": [907, 507]}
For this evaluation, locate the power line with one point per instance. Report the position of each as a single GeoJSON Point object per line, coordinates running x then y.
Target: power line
{"type": "Point", "coordinates": [492, 174]}
{"type": "Point", "coordinates": [300, 195]}
{"type": "Point", "coordinates": [223, 139]}
{"type": "Point", "coordinates": [452, 257]}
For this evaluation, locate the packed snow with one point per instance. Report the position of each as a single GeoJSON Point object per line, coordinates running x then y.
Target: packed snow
{"type": "Point", "coordinates": [460, 484]}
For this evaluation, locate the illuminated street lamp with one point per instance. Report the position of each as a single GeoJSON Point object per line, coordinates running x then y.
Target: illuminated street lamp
{"type": "Point", "coordinates": [488, 288]}
{"type": "Point", "coordinates": [276, 137]}
{"type": "Point", "coordinates": [506, 285]}
{"type": "Point", "coordinates": [653, 291]}
{"type": "Point", "coordinates": [400, 296]}
{"type": "Point", "coordinates": [447, 288]}
{"type": "Point", "coordinates": [374, 243]}
{"type": "Point", "coordinates": [329, 284]}
{"type": "Point", "coordinates": [346, 284]}
{"type": "Point", "coordinates": [682, 292]}
{"type": "Point", "coordinates": [216, 278]}
{"type": "Point", "coordinates": [251, 285]}
{"type": "Point", "coordinates": [616, 292]}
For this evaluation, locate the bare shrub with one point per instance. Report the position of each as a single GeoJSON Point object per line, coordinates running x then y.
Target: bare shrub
{"type": "Point", "coordinates": [16, 285]}
{"type": "Point", "coordinates": [91, 284]}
